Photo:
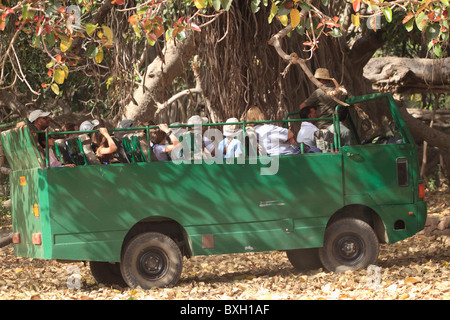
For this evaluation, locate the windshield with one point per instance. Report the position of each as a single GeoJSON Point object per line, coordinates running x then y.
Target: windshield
{"type": "Point", "coordinates": [372, 122]}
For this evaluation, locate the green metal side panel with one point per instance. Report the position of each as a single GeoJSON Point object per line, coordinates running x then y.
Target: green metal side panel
{"type": "Point", "coordinates": [30, 212]}
{"type": "Point", "coordinates": [414, 216]}
{"type": "Point", "coordinates": [372, 170]}
{"type": "Point", "coordinates": [20, 149]}
{"type": "Point", "coordinates": [92, 208]}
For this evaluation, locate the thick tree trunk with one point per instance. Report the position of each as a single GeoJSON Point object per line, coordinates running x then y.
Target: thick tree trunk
{"type": "Point", "coordinates": [423, 132]}
{"type": "Point", "coordinates": [159, 75]}
{"type": "Point", "coordinates": [404, 75]}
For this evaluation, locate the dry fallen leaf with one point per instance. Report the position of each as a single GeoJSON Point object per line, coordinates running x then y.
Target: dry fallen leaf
{"type": "Point", "coordinates": [412, 280]}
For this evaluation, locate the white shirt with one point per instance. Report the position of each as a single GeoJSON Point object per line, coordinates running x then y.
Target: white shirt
{"type": "Point", "coordinates": [346, 138]}
{"type": "Point", "coordinates": [274, 139]}
{"type": "Point", "coordinates": [306, 134]}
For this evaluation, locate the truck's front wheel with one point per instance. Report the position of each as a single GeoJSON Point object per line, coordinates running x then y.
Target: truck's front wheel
{"type": "Point", "coordinates": [151, 260]}
{"type": "Point", "coordinates": [349, 244]}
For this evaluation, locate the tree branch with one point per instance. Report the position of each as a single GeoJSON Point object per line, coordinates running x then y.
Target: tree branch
{"type": "Point", "coordinates": [293, 58]}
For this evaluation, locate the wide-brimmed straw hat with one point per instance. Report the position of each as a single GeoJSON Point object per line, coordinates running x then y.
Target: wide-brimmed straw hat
{"type": "Point", "coordinates": [231, 130]}
{"type": "Point", "coordinates": [322, 73]}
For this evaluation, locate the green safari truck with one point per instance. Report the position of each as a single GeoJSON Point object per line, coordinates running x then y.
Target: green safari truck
{"type": "Point", "coordinates": [136, 220]}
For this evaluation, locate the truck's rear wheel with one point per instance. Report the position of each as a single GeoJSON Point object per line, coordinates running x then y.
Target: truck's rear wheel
{"type": "Point", "coordinates": [151, 260]}
{"type": "Point", "coordinates": [349, 244]}
{"type": "Point", "coordinates": [107, 273]}
{"type": "Point", "coordinates": [304, 259]}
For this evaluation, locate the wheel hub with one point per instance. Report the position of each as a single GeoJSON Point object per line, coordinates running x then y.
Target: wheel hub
{"type": "Point", "coordinates": [152, 264]}
{"type": "Point", "coordinates": [348, 248]}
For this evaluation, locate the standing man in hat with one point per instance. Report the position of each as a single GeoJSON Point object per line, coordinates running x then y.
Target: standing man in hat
{"type": "Point", "coordinates": [319, 98]}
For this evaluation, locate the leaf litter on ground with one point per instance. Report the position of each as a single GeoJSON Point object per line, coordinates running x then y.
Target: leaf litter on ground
{"type": "Point", "coordinates": [416, 268]}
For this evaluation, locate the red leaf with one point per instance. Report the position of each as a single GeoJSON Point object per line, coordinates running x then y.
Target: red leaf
{"type": "Point", "coordinates": [195, 27]}
{"type": "Point", "coordinates": [408, 17]}
{"type": "Point", "coordinates": [152, 36]}
{"type": "Point", "coordinates": [356, 5]}
{"type": "Point", "coordinates": [58, 58]}
{"type": "Point", "coordinates": [120, 2]}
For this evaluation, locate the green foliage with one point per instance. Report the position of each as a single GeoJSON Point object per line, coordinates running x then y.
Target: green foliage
{"type": "Point", "coordinates": [53, 31]}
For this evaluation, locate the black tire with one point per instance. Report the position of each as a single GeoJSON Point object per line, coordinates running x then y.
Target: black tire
{"type": "Point", "coordinates": [107, 273]}
{"type": "Point", "coordinates": [151, 260]}
{"type": "Point", "coordinates": [349, 244]}
{"type": "Point", "coordinates": [304, 259]}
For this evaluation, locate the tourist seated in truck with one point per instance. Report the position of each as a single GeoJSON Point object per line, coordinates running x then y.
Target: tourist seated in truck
{"type": "Point", "coordinates": [308, 129]}
{"type": "Point", "coordinates": [230, 147]}
{"type": "Point", "coordinates": [102, 143]}
{"type": "Point", "coordinates": [345, 134]}
{"type": "Point", "coordinates": [53, 160]}
{"type": "Point", "coordinates": [195, 134]}
{"type": "Point", "coordinates": [70, 127]}
{"type": "Point", "coordinates": [273, 139]}
{"type": "Point", "coordinates": [158, 139]}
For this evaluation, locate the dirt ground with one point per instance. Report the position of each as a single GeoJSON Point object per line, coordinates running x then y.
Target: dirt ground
{"type": "Point", "coordinates": [413, 269]}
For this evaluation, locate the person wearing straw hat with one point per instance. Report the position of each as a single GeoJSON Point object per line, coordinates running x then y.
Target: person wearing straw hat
{"type": "Point", "coordinates": [319, 98]}
{"type": "Point", "coordinates": [230, 147]}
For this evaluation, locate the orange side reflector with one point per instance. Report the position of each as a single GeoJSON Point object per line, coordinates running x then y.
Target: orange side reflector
{"type": "Point", "coordinates": [36, 238]}
{"type": "Point", "coordinates": [36, 210]}
{"type": "Point", "coordinates": [421, 191]}
{"type": "Point", "coordinates": [16, 237]}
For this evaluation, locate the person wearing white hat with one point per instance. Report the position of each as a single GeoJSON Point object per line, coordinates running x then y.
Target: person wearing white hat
{"type": "Point", "coordinates": [230, 147]}
{"type": "Point", "coordinates": [197, 120]}
{"type": "Point", "coordinates": [319, 98]}
{"type": "Point", "coordinates": [40, 120]}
